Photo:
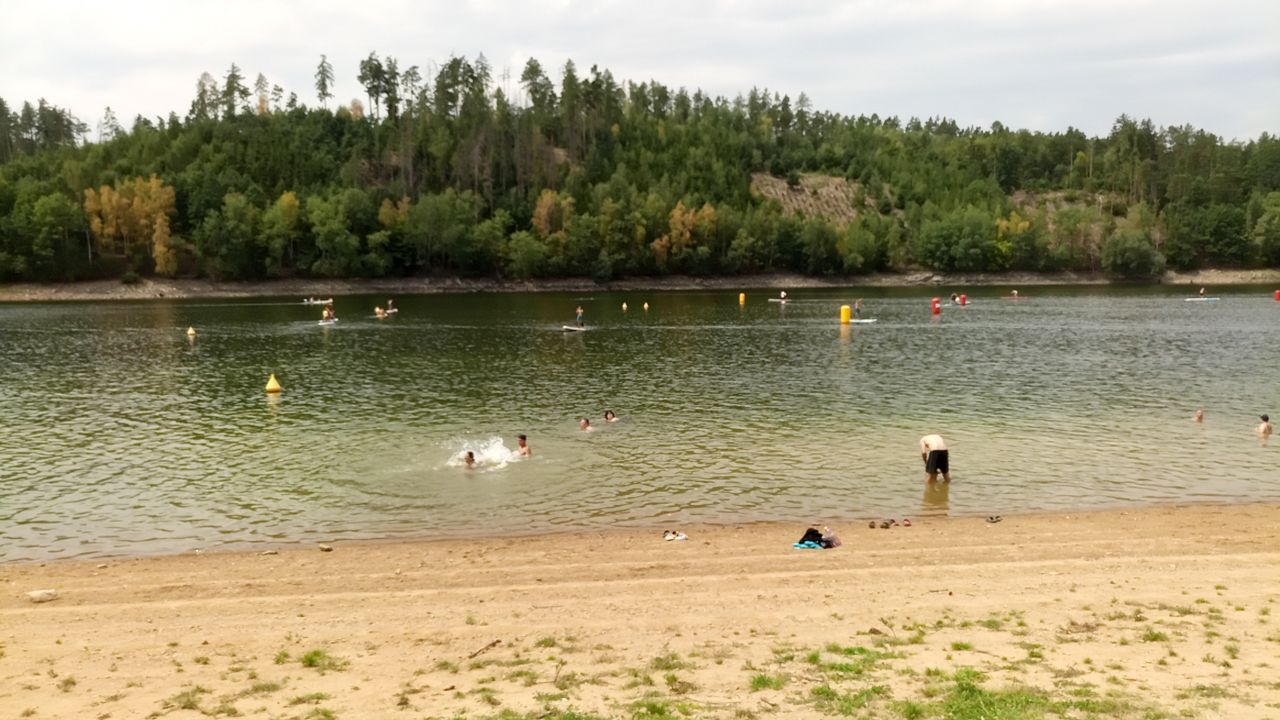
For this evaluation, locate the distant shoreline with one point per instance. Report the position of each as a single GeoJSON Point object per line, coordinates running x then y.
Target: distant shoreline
{"type": "Point", "coordinates": [150, 289]}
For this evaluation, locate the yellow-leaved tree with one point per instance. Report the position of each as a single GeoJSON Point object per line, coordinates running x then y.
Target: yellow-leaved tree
{"type": "Point", "coordinates": [124, 220]}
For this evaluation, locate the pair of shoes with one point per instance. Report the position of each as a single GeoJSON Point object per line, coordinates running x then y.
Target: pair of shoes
{"type": "Point", "coordinates": [674, 535]}
{"type": "Point", "coordinates": [872, 525]}
{"type": "Point", "coordinates": [888, 524]}
{"type": "Point", "coordinates": [906, 522]}
{"type": "Point", "coordinates": [993, 519]}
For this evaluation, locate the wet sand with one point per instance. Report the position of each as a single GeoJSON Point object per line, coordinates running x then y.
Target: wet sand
{"type": "Point", "coordinates": [1102, 614]}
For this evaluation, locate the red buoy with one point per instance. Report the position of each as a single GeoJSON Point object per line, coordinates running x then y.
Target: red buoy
{"type": "Point", "coordinates": [964, 300]}
{"type": "Point", "coordinates": [935, 306]}
{"type": "Point", "coordinates": [1278, 296]}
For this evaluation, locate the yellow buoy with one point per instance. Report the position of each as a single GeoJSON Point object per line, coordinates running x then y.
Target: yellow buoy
{"type": "Point", "coordinates": [646, 307]}
{"type": "Point", "coordinates": [624, 307]}
{"type": "Point", "coordinates": [846, 314]}
{"type": "Point", "coordinates": [191, 332]}
{"type": "Point", "coordinates": [742, 298]}
{"type": "Point", "coordinates": [273, 385]}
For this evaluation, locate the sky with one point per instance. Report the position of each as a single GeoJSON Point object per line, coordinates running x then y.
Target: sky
{"type": "Point", "coordinates": [1038, 64]}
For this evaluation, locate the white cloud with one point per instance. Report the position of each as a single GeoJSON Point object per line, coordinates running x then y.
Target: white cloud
{"type": "Point", "coordinates": [1044, 64]}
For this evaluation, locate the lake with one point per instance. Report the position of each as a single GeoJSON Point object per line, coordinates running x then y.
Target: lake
{"type": "Point", "coordinates": [123, 436]}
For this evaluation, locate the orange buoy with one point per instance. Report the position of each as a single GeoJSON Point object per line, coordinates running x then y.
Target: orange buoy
{"type": "Point", "coordinates": [1278, 296]}
{"type": "Point", "coordinates": [964, 300]}
{"type": "Point", "coordinates": [935, 306]}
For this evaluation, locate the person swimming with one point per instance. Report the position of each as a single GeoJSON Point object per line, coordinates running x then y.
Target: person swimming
{"type": "Point", "coordinates": [470, 460]}
{"type": "Point", "coordinates": [1264, 427]}
{"type": "Point", "coordinates": [522, 446]}
{"type": "Point", "coordinates": [610, 416]}
{"type": "Point", "coordinates": [1199, 416]}
{"type": "Point", "coordinates": [584, 425]}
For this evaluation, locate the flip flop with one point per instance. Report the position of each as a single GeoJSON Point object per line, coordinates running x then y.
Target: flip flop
{"type": "Point", "coordinates": [872, 524]}
{"type": "Point", "coordinates": [886, 524]}
{"type": "Point", "coordinates": [993, 519]}
{"type": "Point", "coordinates": [906, 522]}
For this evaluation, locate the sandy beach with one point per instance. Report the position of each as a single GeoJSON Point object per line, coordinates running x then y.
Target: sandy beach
{"type": "Point", "coordinates": [156, 288]}
{"type": "Point", "coordinates": [1147, 613]}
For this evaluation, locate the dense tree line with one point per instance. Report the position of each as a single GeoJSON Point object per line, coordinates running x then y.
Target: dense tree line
{"type": "Point", "coordinates": [589, 176]}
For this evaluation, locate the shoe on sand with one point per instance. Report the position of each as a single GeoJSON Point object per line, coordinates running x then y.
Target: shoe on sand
{"type": "Point", "coordinates": [993, 519]}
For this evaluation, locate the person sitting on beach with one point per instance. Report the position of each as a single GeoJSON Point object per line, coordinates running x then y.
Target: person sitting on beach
{"type": "Point", "coordinates": [470, 460]}
{"type": "Point", "coordinates": [1264, 427]}
{"type": "Point", "coordinates": [610, 416]}
{"type": "Point", "coordinates": [933, 450]}
{"type": "Point", "coordinates": [1199, 416]}
{"type": "Point", "coordinates": [522, 446]}
{"type": "Point", "coordinates": [584, 425]}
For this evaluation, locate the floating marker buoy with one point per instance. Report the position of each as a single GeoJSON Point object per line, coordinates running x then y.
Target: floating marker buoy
{"type": "Point", "coordinates": [646, 307]}
{"type": "Point", "coordinates": [935, 306]}
{"type": "Point", "coordinates": [191, 332]}
{"type": "Point", "coordinates": [742, 298]}
{"type": "Point", "coordinates": [273, 385]}
{"type": "Point", "coordinates": [846, 314]}
{"type": "Point", "coordinates": [964, 300]}
{"type": "Point", "coordinates": [624, 307]}
{"type": "Point", "coordinates": [1278, 296]}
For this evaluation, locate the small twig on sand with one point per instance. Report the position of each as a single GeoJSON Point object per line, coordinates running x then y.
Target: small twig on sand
{"type": "Point", "coordinates": [486, 648]}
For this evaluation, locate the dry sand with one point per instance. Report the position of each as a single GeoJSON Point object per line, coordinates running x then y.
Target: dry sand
{"type": "Point", "coordinates": [1167, 612]}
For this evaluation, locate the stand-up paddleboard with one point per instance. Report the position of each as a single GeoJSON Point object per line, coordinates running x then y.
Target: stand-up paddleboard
{"type": "Point", "coordinates": [574, 328]}
{"type": "Point", "coordinates": [329, 322]}
{"type": "Point", "coordinates": [1013, 297]}
{"type": "Point", "coordinates": [1200, 299]}
{"type": "Point", "coordinates": [392, 311]}
{"type": "Point", "coordinates": [866, 321]}
{"type": "Point", "coordinates": [778, 300]}
{"type": "Point", "coordinates": [318, 302]}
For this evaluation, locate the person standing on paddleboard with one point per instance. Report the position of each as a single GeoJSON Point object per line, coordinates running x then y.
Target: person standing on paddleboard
{"type": "Point", "coordinates": [857, 308]}
{"type": "Point", "coordinates": [579, 316]}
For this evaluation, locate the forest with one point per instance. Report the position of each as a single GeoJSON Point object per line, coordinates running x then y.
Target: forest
{"type": "Point", "coordinates": [459, 173]}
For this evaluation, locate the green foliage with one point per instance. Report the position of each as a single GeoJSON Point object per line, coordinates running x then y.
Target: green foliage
{"type": "Point", "coordinates": [599, 178]}
{"type": "Point", "coordinates": [1131, 255]}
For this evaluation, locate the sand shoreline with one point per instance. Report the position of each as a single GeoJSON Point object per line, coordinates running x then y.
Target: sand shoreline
{"type": "Point", "coordinates": [155, 288]}
{"type": "Point", "coordinates": [1126, 613]}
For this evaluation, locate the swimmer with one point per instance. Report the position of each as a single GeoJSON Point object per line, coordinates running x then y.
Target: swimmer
{"type": "Point", "coordinates": [391, 304]}
{"type": "Point", "coordinates": [955, 299]}
{"type": "Point", "coordinates": [377, 311]}
{"type": "Point", "coordinates": [522, 446]}
{"type": "Point", "coordinates": [470, 460]}
{"type": "Point", "coordinates": [1201, 292]}
{"type": "Point", "coordinates": [782, 295]}
{"type": "Point", "coordinates": [584, 425]}
{"type": "Point", "coordinates": [1199, 416]}
{"type": "Point", "coordinates": [610, 416]}
{"type": "Point", "coordinates": [579, 316]}
{"type": "Point", "coordinates": [857, 308]}
{"type": "Point", "coordinates": [1014, 293]}
{"type": "Point", "coordinates": [1264, 427]}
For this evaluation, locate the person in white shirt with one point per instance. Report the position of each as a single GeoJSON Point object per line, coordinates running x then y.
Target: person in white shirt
{"type": "Point", "coordinates": [933, 450]}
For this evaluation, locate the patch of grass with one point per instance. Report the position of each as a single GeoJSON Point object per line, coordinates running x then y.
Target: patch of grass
{"type": "Point", "coordinates": [525, 677]}
{"type": "Point", "coordinates": [670, 661]}
{"type": "Point", "coordinates": [967, 699]}
{"type": "Point", "coordinates": [188, 699]}
{"type": "Point", "coordinates": [958, 646]}
{"type": "Point", "coordinates": [446, 666]}
{"type": "Point", "coordinates": [761, 681]}
{"type": "Point", "coordinates": [487, 695]}
{"type": "Point", "coordinates": [546, 642]}
{"type": "Point", "coordinates": [323, 661]}
{"type": "Point", "coordinates": [854, 661]}
{"type": "Point", "coordinates": [828, 699]}
{"type": "Point", "coordinates": [1232, 650]}
{"type": "Point", "coordinates": [28, 712]}
{"type": "Point", "coordinates": [309, 699]}
{"type": "Point", "coordinates": [1153, 635]}
{"type": "Point", "coordinates": [201, 660]}
{"type": "Point", "coordinates": [321, 714]}
{"type": "Point", "coordinates": [1204, 691]}
{"type": "Point", "coordinates": [67, 684]}
{"type": "Point", "coordinates": [282, 657]}
{"type": "Point", "coordinates": [261, 688]}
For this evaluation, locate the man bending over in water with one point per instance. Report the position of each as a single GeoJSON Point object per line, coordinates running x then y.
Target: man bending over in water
{"type": "Point", "coordinates": [933, 450]}
{"type": "Point", "coordinates": [522, 446]}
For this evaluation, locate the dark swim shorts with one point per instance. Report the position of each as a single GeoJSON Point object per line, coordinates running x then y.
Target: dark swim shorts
{"type": "Point", "coordinates": [937, 462]}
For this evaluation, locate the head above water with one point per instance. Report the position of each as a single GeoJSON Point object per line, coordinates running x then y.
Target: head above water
{"type": "Point", "coordinates": [1265, 418]}
{"type": "Point", "coordinates": [522, 439]}
{"type": "Point", "coordinates": [584, 423]}
{"type": "Point", "coordinates": [609, 415]}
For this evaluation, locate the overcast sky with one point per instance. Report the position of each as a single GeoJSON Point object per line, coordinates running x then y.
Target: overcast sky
{"type": "Point", "coordinates": [1039, 64]}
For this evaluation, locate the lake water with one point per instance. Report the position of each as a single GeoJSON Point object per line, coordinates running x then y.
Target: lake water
{"type": "Point", "coordinates": [122, 436]}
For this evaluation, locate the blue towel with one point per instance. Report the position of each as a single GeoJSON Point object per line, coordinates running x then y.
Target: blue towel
{"type": "Point", "coordinates": [809, 545]}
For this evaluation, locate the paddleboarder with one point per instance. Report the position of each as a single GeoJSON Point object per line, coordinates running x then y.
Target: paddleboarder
{"type": "Point", "coordinates": [579, 320]}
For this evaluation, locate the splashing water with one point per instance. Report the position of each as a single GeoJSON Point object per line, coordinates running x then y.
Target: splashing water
{"type": "Point", "coordinates": [491, 454]}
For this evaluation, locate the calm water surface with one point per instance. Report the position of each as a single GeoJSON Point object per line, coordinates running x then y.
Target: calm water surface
{"type": "Point", "coordinates": [124, 437]}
